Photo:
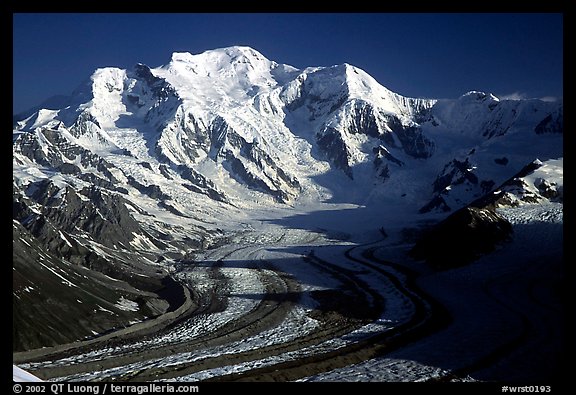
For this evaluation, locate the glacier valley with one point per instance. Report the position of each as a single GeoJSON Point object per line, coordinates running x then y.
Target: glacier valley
{"type": "Point", "coordinates": [224, 217]}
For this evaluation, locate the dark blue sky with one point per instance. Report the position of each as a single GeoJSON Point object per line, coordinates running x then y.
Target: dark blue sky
{"type": "Point", "coordinates": [417, 55]}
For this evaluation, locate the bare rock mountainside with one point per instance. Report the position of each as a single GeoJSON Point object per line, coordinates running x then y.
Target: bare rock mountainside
{"type": "Point", "coordinates": [140, 169]}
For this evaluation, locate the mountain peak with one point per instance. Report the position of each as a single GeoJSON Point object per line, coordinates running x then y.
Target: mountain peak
{"type": "Point", "coordinates": [222, 56]}
{"type": "Point", "coordinates": [238, 50]}
{"type": "Point", "coordinates": [182, 57]}
{"type": "Point", "coordinates": [479, 96]}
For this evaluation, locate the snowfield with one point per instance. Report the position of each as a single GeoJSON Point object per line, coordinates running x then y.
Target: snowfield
{"type": "Point", "coordinates": [20, 375]}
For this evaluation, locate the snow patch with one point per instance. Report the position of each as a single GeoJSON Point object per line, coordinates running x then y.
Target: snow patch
{"type": "Point", "coordinates": [127, 304]}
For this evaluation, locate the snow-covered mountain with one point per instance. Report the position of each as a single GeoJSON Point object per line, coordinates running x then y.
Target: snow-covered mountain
{"type": "Point", "coordinates": [144, 165]}
{"type": "Point", "coordinates": [230, 120]}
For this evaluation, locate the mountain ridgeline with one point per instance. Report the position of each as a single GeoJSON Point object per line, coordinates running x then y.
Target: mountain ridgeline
{"type": "Point", "coordinates": [135, 166]}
